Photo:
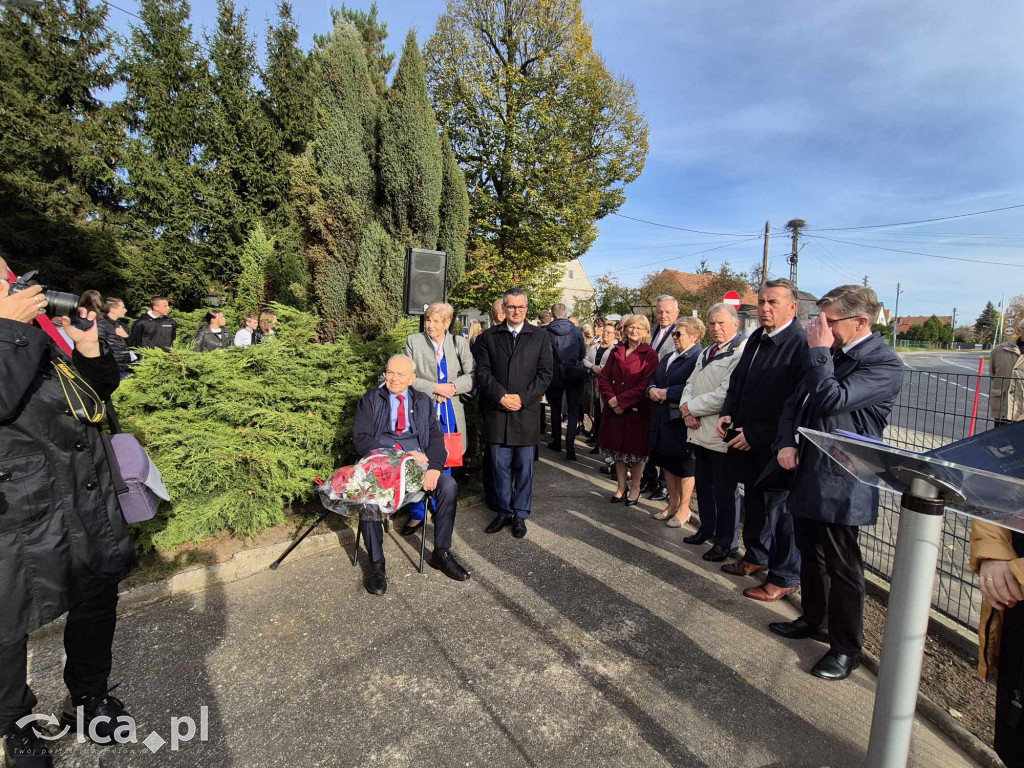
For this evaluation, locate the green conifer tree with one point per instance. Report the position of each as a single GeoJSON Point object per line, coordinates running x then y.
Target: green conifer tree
{"type": "Point", "coordinates": [58, 146]}
{"type": "Point", "coordinates": [410, 154]}
{"type": "Point", "coordinates": [250, 289]}
{"type": "Point", "coordinates": [335, 192]}
{"type": "Point", "coordinates": [374, 32]}
{"type": "Point", "coordinates": [454, 214]}
{"type": "Point", "coordinates": [166, 102]}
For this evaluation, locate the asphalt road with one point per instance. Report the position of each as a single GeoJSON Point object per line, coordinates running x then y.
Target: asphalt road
{"type": "Point", "coordinates": [937, 400]}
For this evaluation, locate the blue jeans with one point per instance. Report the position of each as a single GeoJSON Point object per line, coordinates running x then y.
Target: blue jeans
{"type": "Point", "coordinates": [512, 475]}
{"type": "Point", "coordinates": [768, 536]}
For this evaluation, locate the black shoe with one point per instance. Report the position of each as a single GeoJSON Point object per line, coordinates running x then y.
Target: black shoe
{"type": "Point", "coordinates": [519, 527]}
{"type": "Point", "coordinates": [630, 502]}
{"type": "Point", "coordinates": [444, 561]}
{"type": "Point", "coordinates": [717, 555]}
{"type": "Point", "coordinates": [23, 749]}
{"type": "Point", "coordinates": [594, 450]}
{"type": "Point", "coordinates": [696, 538]}
{"type": "Point", "coordinates": [376, 582]}
{"type": "Point", "coordinates": [555, 446]}
{"type": "Point", "coordinates": [409, 529]}
{"type": "Point", "coordinates": [835, 666]}
{"type": "Point", "coordinates": [616, 499]}
{"type": "Point", "coordinates": [96, 706]}
{"type": "Point", "coordinates": [658, 493]}
{"type": "Point", "coordinates": [570, 454]}
{"type": "Point", "coordinates": [498, 523]}
{"type": "Point", "coordinates": [799, 629]}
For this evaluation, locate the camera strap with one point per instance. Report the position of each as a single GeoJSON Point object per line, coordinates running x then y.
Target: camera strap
{"type": "Point", "coordinates": [85, 405]}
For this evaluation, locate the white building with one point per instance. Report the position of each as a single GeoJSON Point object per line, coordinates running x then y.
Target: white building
{"type": "Point", "coordinates": [575, 286]}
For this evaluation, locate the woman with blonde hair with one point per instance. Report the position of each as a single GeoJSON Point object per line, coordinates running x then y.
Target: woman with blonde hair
{"type": "Point", "coordinates": [626, 419]}
{"type": "Point", "coordinates": [475, 329]}
{"type": "Point", "coordinates": [444, 370]}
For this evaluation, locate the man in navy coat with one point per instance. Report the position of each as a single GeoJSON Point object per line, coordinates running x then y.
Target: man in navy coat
{"type": "Point", "coordinates": [851, 381]}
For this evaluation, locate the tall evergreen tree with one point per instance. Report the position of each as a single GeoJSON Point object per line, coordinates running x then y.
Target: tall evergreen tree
{"type": "Point", "coordinates": [240, 147]}
{"type": "Point", "coordinates": [410, 153]}
{"type": "Point", "coordinates": [454, 213]}
{"type": "Point", "coordinates": [335, 189]}
{"type": "Point", "coordinates": [374, 32]}
{"type": "Point", "coordinates": [986, 324]}
{"type": "Point", "coordinates": [250, 289]}
{"type": "Point", "coordinates": [59, 147]}
{"type": "Point", "coordinates": [166, 101]}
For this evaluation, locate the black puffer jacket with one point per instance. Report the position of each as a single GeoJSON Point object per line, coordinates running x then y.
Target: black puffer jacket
{"type": "Point", "coordinates": [118, 345]}
{"type": "Point", "coordinates": [62, 535]}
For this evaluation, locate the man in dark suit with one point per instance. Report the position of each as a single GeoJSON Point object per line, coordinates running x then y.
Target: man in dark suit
{"type": "Point", "coordinates": [568, 376]}
{"type": "Point", "coordinates": [666, 313]}
{"type": "Point", "coordinates": [396, 414]}
{"type": "Point", "coordinates": [768, 372]}
{"type": "Point", "coordinates": [851, 382]}
{"type": "Point", "coordinates": [513, 370]}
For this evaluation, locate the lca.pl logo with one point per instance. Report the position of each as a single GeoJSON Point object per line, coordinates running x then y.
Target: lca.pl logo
{"type": "Point", "coordinates": [183, 729]}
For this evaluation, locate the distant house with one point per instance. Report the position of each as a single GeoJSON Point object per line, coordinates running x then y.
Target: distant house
{"type": "Point", "coordinates": [906, 323]}
{"type": "Point", "coordinates": [695, 283]}
{"type": "Point", "coordinates": [575, 286]}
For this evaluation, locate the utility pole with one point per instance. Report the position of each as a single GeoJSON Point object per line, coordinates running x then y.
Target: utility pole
{"type": "Point", "coordinates": [764, 260]}
{"type": "Point", "coordinates": [865, 281]}
{"type": "Point", "coordinates": [998, 336]}
{"type": "Point", "coordinates": [896, 315]}
{"type": "Point", "coordinates": [794, 226]}
{"type": "Point", "coordinates": [953, 329]}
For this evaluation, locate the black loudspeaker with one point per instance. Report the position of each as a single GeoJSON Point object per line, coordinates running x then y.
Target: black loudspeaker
{"type": "Point", "coordinates": [425, 273]}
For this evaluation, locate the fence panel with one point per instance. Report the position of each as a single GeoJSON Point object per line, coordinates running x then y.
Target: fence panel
{"type": "Point", "coordinates": [934, 408]}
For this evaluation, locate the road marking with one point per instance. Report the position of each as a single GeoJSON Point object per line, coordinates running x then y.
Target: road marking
{"type": "Point", "coordinates": [945, 381]}
{"type": "Point", "coordinates": [958, 365]}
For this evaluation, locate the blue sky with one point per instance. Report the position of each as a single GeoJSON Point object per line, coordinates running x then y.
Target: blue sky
{"type": "Point", "coordinates": [846, 113]}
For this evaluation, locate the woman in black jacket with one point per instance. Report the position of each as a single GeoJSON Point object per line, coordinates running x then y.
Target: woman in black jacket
{"type": "Point", "coordinates": [114, 333]}
{"type": "Point", "coordinates": [64, 545]}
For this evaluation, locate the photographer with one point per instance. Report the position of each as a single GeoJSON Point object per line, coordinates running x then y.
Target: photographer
{"type": "Point", "coordinates": [64, 545]}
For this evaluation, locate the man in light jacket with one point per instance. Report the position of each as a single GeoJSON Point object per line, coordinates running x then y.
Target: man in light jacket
{"type": "Point", "coordinates": [1006, 396]}
{"type": "Point", "coordinates": [718, 495]}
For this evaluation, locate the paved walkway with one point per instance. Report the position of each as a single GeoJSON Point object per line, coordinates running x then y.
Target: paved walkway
{"type": "Point", "coordinates": [598, 640]}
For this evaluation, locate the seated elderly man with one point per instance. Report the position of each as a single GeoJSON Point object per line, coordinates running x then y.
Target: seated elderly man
{"type": "Point", "coordinates": [391, 415]}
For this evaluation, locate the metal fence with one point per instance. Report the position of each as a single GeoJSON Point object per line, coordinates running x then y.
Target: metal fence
{"type": "Point", "coordinates": [935, 408]}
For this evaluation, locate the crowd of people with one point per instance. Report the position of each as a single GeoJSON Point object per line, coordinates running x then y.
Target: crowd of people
{"type": "Point", "coordinates": [668, 415]}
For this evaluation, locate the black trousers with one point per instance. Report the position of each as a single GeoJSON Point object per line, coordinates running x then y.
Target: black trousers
{"type": "Point", "coordinates": [446, 495]}
{"type": "Point", "coordinates": [88, 643]}
{"type": "Point", "coordinates": [574, 401]}
{"type": "Point", "coordinates": [718, 498]}
{"type": "Point", "coordinates": [1009, 743]}
{"type": "Point", "coordinates": [832, 581]}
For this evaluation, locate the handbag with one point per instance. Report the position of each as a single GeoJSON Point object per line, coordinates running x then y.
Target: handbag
{"type": "Point", "coordinates": [137, 480]}
{"type": "Point", "coordinates": [453, 444]}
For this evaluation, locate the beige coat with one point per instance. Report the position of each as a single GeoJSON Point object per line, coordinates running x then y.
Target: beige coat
{"type": "Point", "coordinates": [990, 542]}
{"type": "Point", "coordinates": [1006, 396]}
{"type": "Point", "coordinates": [705, 393]}
{"type": "Point", "coordinates": [460, 370]}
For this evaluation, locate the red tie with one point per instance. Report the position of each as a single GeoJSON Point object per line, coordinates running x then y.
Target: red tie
{"type": "Point", "coordinates": [400, 418]}
{"type": "Point", "coordinates": [713, 352]}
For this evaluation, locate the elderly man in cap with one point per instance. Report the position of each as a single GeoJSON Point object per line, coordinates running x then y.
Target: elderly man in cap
{"type": "Point", "coordinates": [394, 415]}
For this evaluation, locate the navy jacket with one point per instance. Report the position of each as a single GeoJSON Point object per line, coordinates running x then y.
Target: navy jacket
{"type": "Point", "coordinates": [668, 431]}
{"type": "Point", "coordinates": [856, 393]}
{"type": "Point", "coordinates": [373, 414]}
{"type": "Point", "coordinates": [570, 349]}
{"type": "Point", "coordinates": [768, 372]}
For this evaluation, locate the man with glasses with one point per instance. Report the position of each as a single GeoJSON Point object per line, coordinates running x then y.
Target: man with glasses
{"type": "Point", "coordinates": [768, 372]}
{"type": "Point", "coordinates": [513, 370]}
{"type": "Point", "coordinates": [851, 382]}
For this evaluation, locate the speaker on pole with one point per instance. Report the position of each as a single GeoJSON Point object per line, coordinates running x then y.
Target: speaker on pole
{"type": "Point", "coordinates": [425, 273]}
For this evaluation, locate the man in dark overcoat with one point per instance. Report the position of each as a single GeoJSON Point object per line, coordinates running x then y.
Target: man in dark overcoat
{"type": "Point", "coordinates": [851, 382]}
{"type": "Point", "coordinates": [513, 370]}
{"type": "Point", "coordinates": [769, 369]}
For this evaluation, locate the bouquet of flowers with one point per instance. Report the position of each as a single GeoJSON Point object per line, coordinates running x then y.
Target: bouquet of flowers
{"type": "Point", "coordinates": [375, 486]}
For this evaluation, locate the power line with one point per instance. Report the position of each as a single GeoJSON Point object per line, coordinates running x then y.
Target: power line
{"type": "Point", "coordinates": [919, 221]}
{"type": "Point", "coordinates": [684, 229]}
{"type": "Point", "coordinates": [684, 256]}
{"type": "Point", "coordinates": [917, 253]}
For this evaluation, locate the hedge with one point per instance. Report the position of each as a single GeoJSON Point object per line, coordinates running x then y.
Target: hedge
{"type": "Point", "coordinates": [239, 434]}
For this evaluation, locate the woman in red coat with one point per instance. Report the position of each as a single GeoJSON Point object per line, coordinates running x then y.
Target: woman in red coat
{"type": "Point", "coordinates": [625, 422]}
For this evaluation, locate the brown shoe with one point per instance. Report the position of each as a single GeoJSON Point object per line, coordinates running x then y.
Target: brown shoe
{"type": "Point", "coordinates": [768, 593]}
{"type": "Point", "coordinates": [742, 568]}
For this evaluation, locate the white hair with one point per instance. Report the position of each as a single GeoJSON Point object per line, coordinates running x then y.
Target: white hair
{"type": "Point", "coordinates": [723, 307]}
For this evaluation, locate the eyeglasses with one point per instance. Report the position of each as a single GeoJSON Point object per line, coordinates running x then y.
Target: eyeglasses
{"type": "Point", "coordinates": [840, 319]}
{"type": "Point", "coordinates": [677, 334]}
{"type": "Point", "coordinates": [515, 307]}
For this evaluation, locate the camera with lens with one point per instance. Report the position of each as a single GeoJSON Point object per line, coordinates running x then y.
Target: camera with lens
{"type": "Point", "coordinates": [58, 304]}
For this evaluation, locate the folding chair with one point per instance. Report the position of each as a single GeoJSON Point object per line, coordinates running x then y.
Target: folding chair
{"type": "Point", "coordinates": [387, 526]}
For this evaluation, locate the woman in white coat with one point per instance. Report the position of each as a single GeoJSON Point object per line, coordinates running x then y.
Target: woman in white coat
{"type": "Point", "coordinates": [444, 370]}
{"type": "Point", "coordinates": [718, 498]}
